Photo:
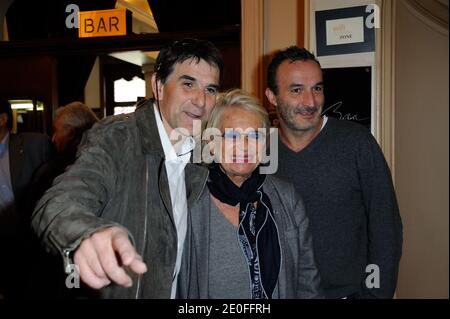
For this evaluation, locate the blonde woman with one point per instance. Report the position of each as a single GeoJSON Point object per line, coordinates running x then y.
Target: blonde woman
{"type": "Point", "coordinates": [248, 234]}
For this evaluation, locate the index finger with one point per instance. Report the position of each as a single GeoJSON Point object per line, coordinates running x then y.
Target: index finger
{"type": "Point", "coordinates": [122, 245]}
{"type": "Point", "coordinates": [138, 266]}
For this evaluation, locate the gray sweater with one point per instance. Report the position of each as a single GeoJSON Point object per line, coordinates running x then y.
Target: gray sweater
{"type": "Point", "coordinates": [298, 278]}
{"type": "Point", "coordinates": [349, 196]}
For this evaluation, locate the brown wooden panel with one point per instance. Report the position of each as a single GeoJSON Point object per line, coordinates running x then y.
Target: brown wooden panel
{"type": "Point", "coordinates": [31, 78]}
{"type": "Point", "coordinates": [144, 42]}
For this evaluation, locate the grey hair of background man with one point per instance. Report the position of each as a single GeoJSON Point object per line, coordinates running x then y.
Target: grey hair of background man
{"type": "Point", "coordinates": [76, 116]}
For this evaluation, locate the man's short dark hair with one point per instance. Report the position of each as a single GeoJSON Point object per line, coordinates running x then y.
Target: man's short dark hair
{"type": "Point", "coordinates": [293, 53]}
{"type": "Point", "coordinates": [180, 51]}
{"type": "Point", "coordinates": [5, 107]}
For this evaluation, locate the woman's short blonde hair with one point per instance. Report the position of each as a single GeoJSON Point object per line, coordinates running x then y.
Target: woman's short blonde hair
{"type": "Point", "coordinates": [241, 99]}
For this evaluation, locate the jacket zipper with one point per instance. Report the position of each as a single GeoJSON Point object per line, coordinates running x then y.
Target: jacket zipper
{"type": "Point", "coordinates": [67, 261]}
{"type": "Point", "coordinates": [138, 286]}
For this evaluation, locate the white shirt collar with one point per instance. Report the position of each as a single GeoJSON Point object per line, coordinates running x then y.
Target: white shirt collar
{"type": "Point", "coordinates": [175, 165]}
{"type": "Point", "coordinates": [324, 122]}
{"type": "Point", "coordinates": [184, 147]}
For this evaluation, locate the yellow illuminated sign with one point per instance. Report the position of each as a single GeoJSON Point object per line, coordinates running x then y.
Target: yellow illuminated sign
{"type": "Point", "coordinates": [102, 23]}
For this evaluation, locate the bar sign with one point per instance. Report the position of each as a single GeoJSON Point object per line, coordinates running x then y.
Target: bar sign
{"type": "Point", "coordinates": [102, 23]}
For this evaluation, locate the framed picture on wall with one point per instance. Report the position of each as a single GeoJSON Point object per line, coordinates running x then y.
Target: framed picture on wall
{"type": "Point", "coordinates": [346, 30]}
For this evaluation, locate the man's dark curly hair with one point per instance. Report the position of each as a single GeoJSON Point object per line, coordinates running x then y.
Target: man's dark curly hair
{"type": "Point", "coordinates": [180, 51]}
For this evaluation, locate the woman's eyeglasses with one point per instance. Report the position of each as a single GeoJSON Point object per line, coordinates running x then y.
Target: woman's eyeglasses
{"type": "Point", "coordinates": [235, 135]}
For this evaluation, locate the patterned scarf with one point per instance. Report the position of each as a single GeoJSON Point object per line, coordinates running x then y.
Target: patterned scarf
{"type": "Point", "coordinates": [257, 232]}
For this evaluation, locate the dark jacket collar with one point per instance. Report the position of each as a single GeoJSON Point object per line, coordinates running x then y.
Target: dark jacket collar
{"type": "Point", "coordinates": [148, 130]}
{"type": "Point", "coordinates": [16, 159]}
{"type": "Point", "coordinates": [151, 144]}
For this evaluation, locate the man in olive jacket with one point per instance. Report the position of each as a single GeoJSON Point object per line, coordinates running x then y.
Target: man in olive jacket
{"type": "Point", "coordinates": [123, 204]}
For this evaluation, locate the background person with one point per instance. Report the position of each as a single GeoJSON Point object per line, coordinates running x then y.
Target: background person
{"type": "Point", "coordinates": [47, 278]}
{"type": "Point", "coordinates": [20, 156]}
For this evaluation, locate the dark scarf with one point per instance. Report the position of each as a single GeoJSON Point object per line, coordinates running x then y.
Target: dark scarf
{"type": "Point", "coordinates": [258, 234]}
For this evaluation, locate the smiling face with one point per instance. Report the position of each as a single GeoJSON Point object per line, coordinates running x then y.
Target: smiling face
{"type": "Point", "coordinates": [300, 97]}
{"type": "Point", "coordinates": [188, 94]}
{"type": "Point", "coordinates": [240, 157]}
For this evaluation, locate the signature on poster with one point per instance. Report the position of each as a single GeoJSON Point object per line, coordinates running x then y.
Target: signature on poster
{"type": "Point", "coordinates": [349, 116]}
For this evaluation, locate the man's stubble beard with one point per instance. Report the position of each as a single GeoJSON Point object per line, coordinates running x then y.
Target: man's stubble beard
{"type": "Point", "coordinates": [287, 115]}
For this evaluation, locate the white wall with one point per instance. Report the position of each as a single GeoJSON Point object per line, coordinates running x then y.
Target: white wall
{"type": "Point", "coordinates": [421, 152]}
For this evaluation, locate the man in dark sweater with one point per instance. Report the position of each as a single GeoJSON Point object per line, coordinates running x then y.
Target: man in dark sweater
{"type": "Point", "coordinates": [340, 171]}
